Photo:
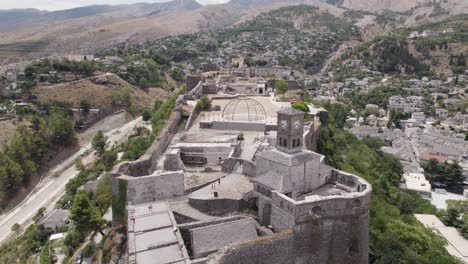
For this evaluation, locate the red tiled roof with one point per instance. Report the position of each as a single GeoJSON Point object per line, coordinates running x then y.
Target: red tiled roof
{"type": "Point", "coordinates": [432, 155]}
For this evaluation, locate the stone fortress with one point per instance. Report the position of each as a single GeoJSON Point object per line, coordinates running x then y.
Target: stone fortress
{"type": "Point", "coordinates": [241, 184]}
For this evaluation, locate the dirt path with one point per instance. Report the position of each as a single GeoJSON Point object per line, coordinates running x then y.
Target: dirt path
{"type": "Point", "coordinates": [52, 187]}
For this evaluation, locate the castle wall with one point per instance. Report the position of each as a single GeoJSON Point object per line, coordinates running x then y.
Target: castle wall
{"type": "Point", "coordinates": [155, 187]}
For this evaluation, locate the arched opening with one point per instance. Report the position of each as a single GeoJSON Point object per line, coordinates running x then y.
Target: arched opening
{"type": "Point", "coordinates": [294, 143]}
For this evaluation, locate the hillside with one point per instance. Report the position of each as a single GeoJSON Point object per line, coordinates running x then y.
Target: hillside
{"type": "Point", "coordinates": [26, 34]}
{"type": "Point", "coordinates": [436, 53]}
{"type": "Point", "coordinates": [29, 34]}
{"type": "Point", "coordinates": [12, 20]}
{"type": "Point", "coordinates": [99, 91]}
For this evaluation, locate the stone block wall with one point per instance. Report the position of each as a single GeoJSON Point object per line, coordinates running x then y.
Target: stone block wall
{"type": "Point", "coordinates": [274, 249]}
{"type": "Point", "coordinates": [155, 187]}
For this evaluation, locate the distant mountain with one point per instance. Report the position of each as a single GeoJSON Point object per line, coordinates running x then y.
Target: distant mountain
{"type": "Point", "coordinates": [12, 20]}
{"type": "Point", "coordinates": [30, 33]}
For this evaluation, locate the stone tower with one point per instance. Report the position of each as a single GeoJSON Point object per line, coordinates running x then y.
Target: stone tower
{"type": "Point", "coordinates": [290, 130]}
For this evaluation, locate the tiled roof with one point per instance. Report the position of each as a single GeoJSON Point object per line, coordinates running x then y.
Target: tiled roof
{"type": "Point", "coordinates": [432, 155]}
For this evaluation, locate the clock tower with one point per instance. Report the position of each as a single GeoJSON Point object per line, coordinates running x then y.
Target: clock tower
{"type": "Point", "coordinates": [290, 130]}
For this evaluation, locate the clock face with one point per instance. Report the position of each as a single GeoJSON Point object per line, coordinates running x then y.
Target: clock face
{"type": "Point", "coordinates": [284, 124]}
{"type": "Point", "coordinates": [297, 124]}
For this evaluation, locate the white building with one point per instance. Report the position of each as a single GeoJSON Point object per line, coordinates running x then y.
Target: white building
{"type": "Point", "coordinates": [418, 183]}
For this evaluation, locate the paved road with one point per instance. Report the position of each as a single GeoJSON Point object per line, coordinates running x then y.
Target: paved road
{"type": "Point", "coordinates": [49, 191]}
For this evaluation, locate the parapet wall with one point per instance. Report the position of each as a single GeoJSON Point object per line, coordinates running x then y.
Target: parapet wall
{"type": "Point", "coordinates": [217, 206]}
{"type": "Point", "coordinates": [233, 126]}
{"type": "Point", "coordinates": [274, 249]}
{"type": "Point", "coordinates": [155, 187]}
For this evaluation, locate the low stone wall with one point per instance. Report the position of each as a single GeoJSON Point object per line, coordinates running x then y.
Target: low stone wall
{"type": "Point", "coordinates": [192, 117]}
{"type": "Point", "coordinates": [229, 164]}
{"type": "Point", "coordinates": [218, 206]}
{"type": "Point", "coordinates": [101, 114]}
{"type": "Point", "coordinates": [271, 128]}
{"type": "Point", "coordinates": [185, 228]}
{"type": "Point", "coordinates": [233, 126]}
{"type": "Point", "coordinates": [274, 249]}
{"type": "Point", "coordinates": [349, 180]}
{"type": "Point", "coordinates": [249, 168]}
{"type": "Point", "coordinates": [164, 139]}
{"type": "Point", "coordinates": [196, 92]}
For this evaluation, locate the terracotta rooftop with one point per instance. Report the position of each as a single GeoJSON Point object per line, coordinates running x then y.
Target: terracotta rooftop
{"type": "Point", "coordinates": [432, 155]}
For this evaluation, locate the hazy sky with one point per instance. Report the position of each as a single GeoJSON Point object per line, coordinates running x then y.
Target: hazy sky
{"type": "Point", "coordinates": [66, 4]}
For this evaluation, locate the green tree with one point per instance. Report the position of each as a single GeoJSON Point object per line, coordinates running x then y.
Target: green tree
{"type": "Point", "coordinates": [203, 104]}
{"type": "Point", "coordinates": [60, 128]}
{"type": "Point", "coordinates": [281, 87]}
{"type": "Point", "coordinates": [108, 159]}
{"type": "Point", "coordinates": [11, 176]}
{"type": "Point", "coordinates": [177, 75]}
{"type": "Point", "coordinates": [301, 106]}
{"type": "Point", "coordinates": [45, 257]}
{"type": "Point", "coordinates": [103, 193]}
{"type": "Point", "coordinates": [99, 143]}
{"type": "Point", "coordinates": [451, 217]}
{"type": "Point", "coordinates": [16, 228]}
{"type": "Point", "coordinates": [85, 215]}
{"type": "Point", "coordinates": [146, 115]}
{"type": "Point", "coordinates": [85, 107]}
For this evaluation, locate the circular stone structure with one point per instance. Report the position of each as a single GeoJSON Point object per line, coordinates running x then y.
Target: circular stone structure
{"type": "Point", "coordinates": [244, 110]}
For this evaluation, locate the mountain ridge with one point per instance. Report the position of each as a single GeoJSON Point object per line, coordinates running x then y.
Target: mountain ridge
{"type": "Point", "coordinates": [87, 30]}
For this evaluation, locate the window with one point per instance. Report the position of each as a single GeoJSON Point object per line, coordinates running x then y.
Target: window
{"type": "Point", "coordinates": [294, 143]}
{"type": "Point", "coordinates": [285, 143]}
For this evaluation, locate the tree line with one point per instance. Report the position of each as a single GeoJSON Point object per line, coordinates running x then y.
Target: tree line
{"type": "Point", "coordinates": [25, 156]}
